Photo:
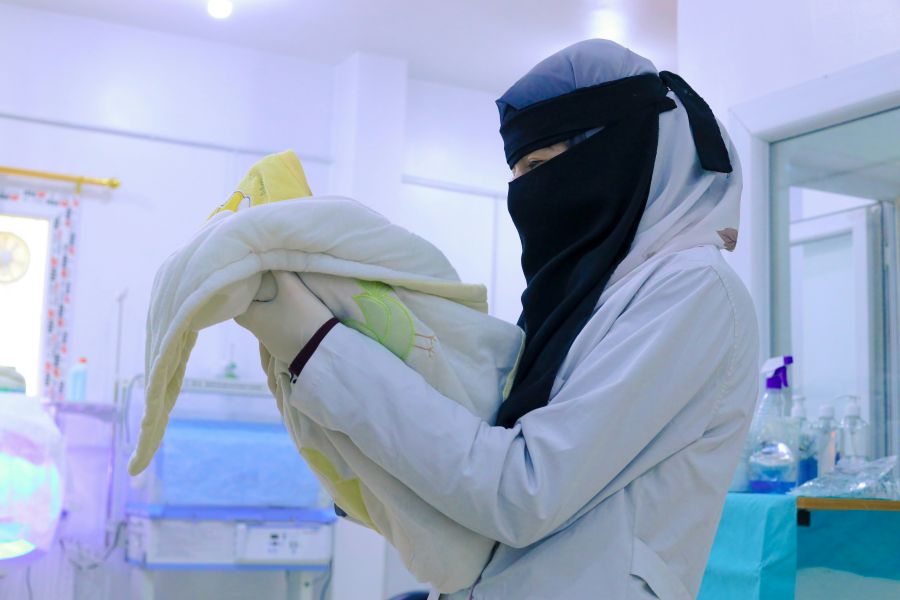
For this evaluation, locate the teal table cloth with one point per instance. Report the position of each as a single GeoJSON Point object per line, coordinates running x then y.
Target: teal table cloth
{"type": "Point", "coordinates": [754, 556]}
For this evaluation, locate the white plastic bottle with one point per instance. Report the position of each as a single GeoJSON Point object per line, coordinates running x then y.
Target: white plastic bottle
{"type": "Point", "coordinates": [853, 445]}
{"type": "Point", "coordinates": [804, 435]}
{"type": "Point", "coordinates": [826, 439]}
{"type": "Point", "coordinates": [76, 384]}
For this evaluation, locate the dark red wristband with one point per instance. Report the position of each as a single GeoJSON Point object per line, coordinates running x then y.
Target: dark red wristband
{"type": "Point", "coordinates": [309, 349]}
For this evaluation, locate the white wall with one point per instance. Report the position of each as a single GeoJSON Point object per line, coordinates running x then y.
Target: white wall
{"type": "Point", "coordinates": [453, 135]}
{"type": "Point", "coordinates": [104, 75]}
{"type": "Point", "coordinates": [456, 176]}
{"type": "Point", "coordinates": [734, 51]}
{"type": "Point", "coordinates": [731, 52]}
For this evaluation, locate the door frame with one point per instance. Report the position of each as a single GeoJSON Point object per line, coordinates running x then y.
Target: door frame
{"type": "Point", "coordinates": [852, 93]}
{"type": "Point", "coordinates": [863, 224]}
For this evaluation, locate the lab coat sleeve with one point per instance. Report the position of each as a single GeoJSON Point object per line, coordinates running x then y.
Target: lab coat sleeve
{"type": "Point", "coordinates": [520, 484]}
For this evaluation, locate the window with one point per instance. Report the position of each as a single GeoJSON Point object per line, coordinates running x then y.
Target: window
{"type": "Point", "coordinates": [23, 275]}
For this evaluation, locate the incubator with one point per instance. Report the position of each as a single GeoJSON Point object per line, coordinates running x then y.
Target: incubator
{"type": "Point", "coordinates": [227, 490]}
{"type": "Point", "coordinates": [31, 490]}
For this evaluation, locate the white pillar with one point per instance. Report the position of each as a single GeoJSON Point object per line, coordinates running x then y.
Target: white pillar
{"type": "Point", "coordinates": [368, 145]}
{"type": "Point", "coordinates": [369, 128]}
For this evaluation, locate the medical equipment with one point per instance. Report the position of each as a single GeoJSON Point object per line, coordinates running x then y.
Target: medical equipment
{"type": "Point", "coordinates": [227, 491]}
{"type": "Point", "coordinates": [31, 491]}
{"type": "Point", "coordinates": [859, 478]}
{"type": "Point", "coordinates": [174, 536]}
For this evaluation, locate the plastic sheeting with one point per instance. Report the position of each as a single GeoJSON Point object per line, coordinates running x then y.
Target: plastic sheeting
{"type": "Point", "coordinates": [31, 458]}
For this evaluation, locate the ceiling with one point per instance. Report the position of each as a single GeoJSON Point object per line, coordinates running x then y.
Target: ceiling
{"type": "Point", "coordinates": [480, 44]}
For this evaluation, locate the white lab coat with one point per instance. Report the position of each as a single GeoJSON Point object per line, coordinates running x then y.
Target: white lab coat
{"type": "Point", "coordinates": [615, 488]}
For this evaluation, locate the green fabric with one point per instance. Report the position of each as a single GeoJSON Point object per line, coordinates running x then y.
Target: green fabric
{"type": "Point", "coordinates": [387, 320]}
{"type": "Point", "coordinates": [754, 556]}
{"type": "Point", "coordinates": [347, 493]}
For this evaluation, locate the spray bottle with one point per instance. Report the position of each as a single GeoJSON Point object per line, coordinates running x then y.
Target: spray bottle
{"type": "Point", "coordinates": [772, 461]}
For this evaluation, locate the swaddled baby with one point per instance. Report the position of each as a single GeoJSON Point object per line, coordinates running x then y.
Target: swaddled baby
{"type": "Point", "coordinates": [375, 277]}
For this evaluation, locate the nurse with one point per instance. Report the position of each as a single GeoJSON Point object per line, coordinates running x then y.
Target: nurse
{"type": "Point", "coordinates": [606, 472]}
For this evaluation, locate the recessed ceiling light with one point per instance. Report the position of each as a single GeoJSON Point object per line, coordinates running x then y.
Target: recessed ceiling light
{"type": "Point", "coordinates": [219, 9]}
{"type": "Point", "coordinates": [608, 24]}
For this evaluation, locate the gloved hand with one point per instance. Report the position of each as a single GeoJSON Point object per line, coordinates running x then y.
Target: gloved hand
{"type": "Point", "coordinates": [285, 323]}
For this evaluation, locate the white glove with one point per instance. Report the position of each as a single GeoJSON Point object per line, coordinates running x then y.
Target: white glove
{"type": "Point", "coordinates": [285, 323]}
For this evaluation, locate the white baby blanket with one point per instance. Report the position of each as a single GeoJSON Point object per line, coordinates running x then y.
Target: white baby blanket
{"type": "Point", "coordinates": [375, 277]}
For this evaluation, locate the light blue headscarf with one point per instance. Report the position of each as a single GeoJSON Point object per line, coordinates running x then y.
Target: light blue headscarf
{"type": "Point", "coordinates": [571, 69]}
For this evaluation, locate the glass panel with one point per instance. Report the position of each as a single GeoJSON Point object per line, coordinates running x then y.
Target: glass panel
{"type": "Point", "coordinates": [23, 274]}
{"type": "Point", "coordinates": [833, 289]}
{"type": "Point", "coordinates": [821, 269]}
{"type": "Point", "coordinates": [808, 203]}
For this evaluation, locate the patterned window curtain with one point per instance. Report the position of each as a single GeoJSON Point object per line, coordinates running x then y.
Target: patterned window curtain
{"type": "Point", "coordinates": [60, 274]}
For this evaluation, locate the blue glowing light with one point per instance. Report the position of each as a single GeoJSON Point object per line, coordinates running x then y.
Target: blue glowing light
{"type": "Point", "coordinates": [15, 549]}
{"type": "Point", "coordinates": [30, 503]}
